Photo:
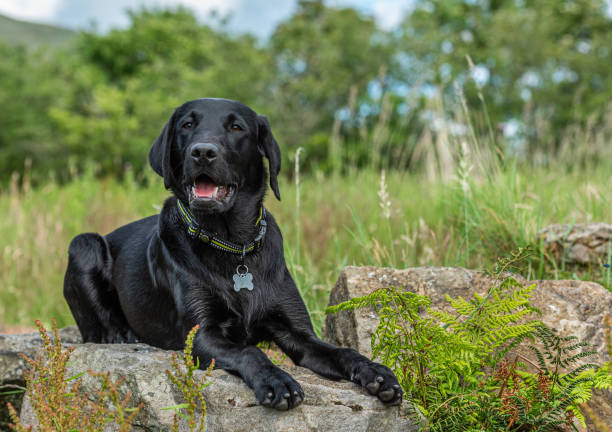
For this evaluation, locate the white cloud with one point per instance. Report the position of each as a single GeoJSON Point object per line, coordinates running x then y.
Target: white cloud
{"type": "Point", "coordinates": [35, 10]}
{"type": "Point", "coordinates": [203, 8]}
{"type": "Point", "coordinates": [254, 16]}
{"type": "Point", "coordinates": [389, 13]}
{"type": "Point", "coordinates": [107, 13]}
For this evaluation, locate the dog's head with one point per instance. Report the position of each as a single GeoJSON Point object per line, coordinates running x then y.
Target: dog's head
{"type": "Point", "coordinates": [211, 151]}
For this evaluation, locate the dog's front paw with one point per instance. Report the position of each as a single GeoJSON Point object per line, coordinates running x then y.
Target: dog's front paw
{"type": "Point", "coordinates": [379, 381]}
{"type": "Point", "coordinates": [277, 389]}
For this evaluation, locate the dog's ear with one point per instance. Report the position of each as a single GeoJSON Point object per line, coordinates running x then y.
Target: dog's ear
{"type": "Point", "coordinates": [270, 149]}
{"type": "Point", "coordinates": [160, 154]}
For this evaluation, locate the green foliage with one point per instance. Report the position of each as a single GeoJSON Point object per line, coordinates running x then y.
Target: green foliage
{"type": "Point", "coordinates": [425, 229]}
{"type": "Point", "coordinates": [191, 388]}
{"type": "Point", "coordinates": [31, 83]}
{"type": "Point", "coordinates": [142, 73]}
{"type": "Point", "coordinates": [452, 363]}
{"type": "Point", "coordinates": [105, 98]}
{"type": "Point", "coordinates": [322, 53]}
{"type": "Point", "coordinates": [56, 400]}
{"type": "Point", "coordinates": [560, 386]}
{"type": "Point", "coordinates": [551, 55]}
{"type": "Point", "coordinates": [330, 79]}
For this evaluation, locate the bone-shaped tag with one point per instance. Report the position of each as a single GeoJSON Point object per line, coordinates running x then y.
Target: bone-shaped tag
{"type": "Point", "coordinates": [244, 280]}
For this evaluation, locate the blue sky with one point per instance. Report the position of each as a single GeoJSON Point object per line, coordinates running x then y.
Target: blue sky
{"type": "Point", "coordinates": [254, 16]}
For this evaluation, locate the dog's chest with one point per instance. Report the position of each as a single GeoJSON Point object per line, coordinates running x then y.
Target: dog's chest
{"type": "Point", "coordinates": [240, 328]}
{"type": "Point", "coordinates": [238, 315]}
{"type": "Point", "coordinates": [229, 294]}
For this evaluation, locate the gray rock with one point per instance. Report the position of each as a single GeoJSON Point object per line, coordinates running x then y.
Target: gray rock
{"type": "Point", "coordinates": [328, 405]}
{"type": "Point", "coordinates": [579, 243]}
{"type": "Point", "coordinates": [11, 345]}
{"type": "Point", "coordinates": [355, 328]}
{"type": "Point", "coordinates": [570, 307]}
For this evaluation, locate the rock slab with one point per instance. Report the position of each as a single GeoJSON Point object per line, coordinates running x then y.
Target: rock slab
{"type": "Point", "coordinates": [579, 243]}
{"type": "Point", "coordinates": [571, 307]}
{"type": "Point", "coordinates": [328, 405]}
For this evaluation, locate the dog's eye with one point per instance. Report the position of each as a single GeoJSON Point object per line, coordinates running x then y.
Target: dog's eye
{"type": "Point", "coordinates": [188, 125]}
{"type": "Point", "coordinates": [236, 127]}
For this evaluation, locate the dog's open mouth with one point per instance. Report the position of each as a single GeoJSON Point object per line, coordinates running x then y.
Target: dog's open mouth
{"type": "Point", "coordinates": [205, 189]}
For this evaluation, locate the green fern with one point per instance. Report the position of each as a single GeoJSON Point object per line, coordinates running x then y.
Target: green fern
{"type": "Point", "coordinates": [573, 387]}
{"type": "Point", "coordinates": [513, 263]}
{"type": "Point", "coordinates": [451, 364]}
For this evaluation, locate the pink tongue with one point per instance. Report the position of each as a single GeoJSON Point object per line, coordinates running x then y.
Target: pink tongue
{"type": "Point", "coordinates": [204, 189]}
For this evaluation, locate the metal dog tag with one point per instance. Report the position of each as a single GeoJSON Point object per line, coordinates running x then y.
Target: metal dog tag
{"type": "Point", "coordinates": [242, 278]}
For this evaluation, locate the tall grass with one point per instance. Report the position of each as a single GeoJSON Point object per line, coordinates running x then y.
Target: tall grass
{"type": "Point", "coordinates": [36, 227]}
{"type": "Point", "coordinates": [461, 204]}
{"type": "Point", "coordinates": [402, 220]}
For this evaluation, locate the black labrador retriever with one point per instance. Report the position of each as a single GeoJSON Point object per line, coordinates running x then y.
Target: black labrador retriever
{"type": "Point", "coordinates": [213, 257]}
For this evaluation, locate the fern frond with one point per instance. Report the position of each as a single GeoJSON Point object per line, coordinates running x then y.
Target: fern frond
{"type": "Point", "coordinates": [371, 299]}
{"type": "Point", "coordinates": [578, 372]}
{"type": "Point", "coordinates": [450, 363]}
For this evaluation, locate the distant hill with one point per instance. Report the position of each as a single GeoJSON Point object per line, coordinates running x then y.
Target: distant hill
{"type": "Point", "coordinates": [33, 35]}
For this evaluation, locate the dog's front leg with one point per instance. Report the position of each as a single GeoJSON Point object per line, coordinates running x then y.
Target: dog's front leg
{"type": "Point", "coordinates": [273, 387]}
{"type": "Point", "coordinates": [292, 331]}
{"type": "Point", "coordinates": [307, 350]}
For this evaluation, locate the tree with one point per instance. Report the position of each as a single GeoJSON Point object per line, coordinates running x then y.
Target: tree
{"type": "Point", "coordinates": [146, 71]}
{"type": "Point", "coordinates": [320, 53]}
{"type": "Point", "coordinates": [32, 83]}
{"type": "Point", "coordinates": [548, 59]}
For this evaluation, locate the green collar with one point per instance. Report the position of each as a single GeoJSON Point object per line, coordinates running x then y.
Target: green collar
{"type": "Point", "coordinates": [196, 231]}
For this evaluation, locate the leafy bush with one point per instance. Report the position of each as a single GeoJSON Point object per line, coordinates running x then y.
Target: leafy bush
{"type": "Point", "coordinates": [454, 366]}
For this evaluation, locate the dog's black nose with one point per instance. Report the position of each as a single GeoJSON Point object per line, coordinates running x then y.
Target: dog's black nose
{"type": "Point", "coordinates": [204, 152]}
